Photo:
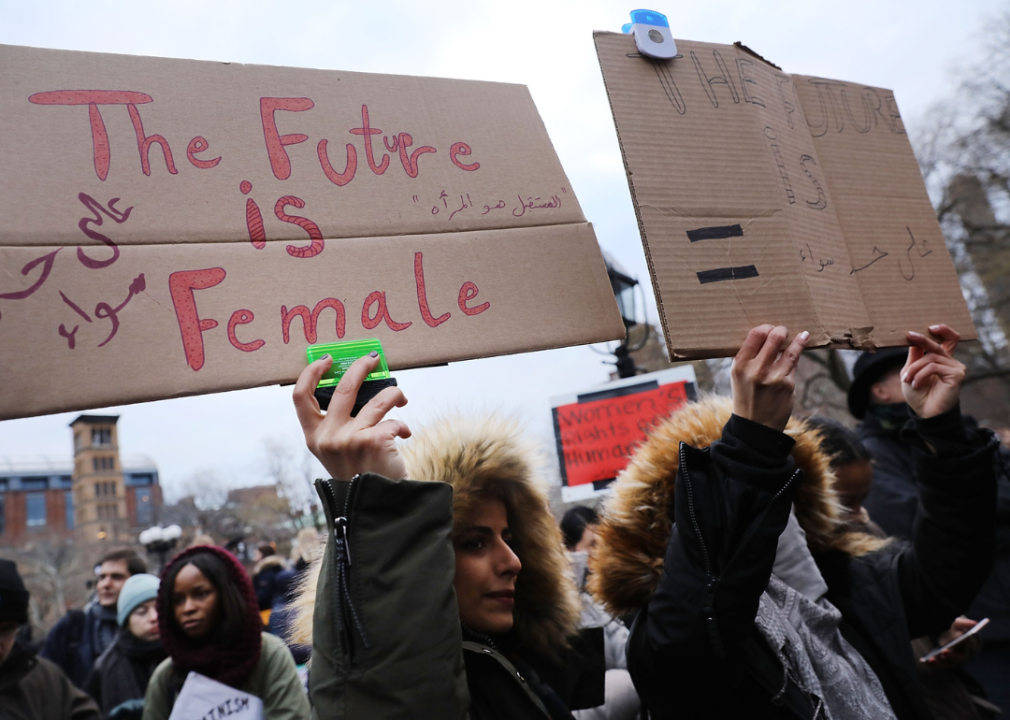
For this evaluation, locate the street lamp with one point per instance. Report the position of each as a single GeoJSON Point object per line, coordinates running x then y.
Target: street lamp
{"type": "Point", "coordinates": [160, 541]}
{"type": "Point", "coordinates": [624, 292]}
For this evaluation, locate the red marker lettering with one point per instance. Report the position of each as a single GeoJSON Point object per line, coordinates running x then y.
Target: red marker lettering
{"type": "Point", "coordinates": [338, 179]}
{"type": "Point", "coordinates": [461, 148]}
{"type": "Point", "coordinates": [254, 224]}
{"type": "Point", "coordinates": [368, 132]}
{"type": "Point", "coordinates": [181, 285]}
{"type": "Point", "coordinates": [280, 163]}
{"type": "Point", "coordinates": [94, 98]}
{"type": "Point", "coordinates": [317, 244]}
{"type": "Point", "coordinates": [198, 145]}
{"type": "Point", "coordinates": [144, 144]}
{"type": "Point", "coordinates": [410, 164]}
{"type": "Point", "coordinates": [46, 261]}
{"type": "Point", "coordinates": [381, 314]}
{"type": "Point", "coordinates": [422, 295]}
{"type": "Point", "coordinates": [467, 293]}
{"type": "Point", "coordinates": [242, 317]}
{"type": "Point", "coordinates": [309, 322]}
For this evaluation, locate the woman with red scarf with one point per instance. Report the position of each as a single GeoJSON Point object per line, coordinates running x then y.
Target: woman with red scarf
{"type": "Point", "coordinates": [210, 624]}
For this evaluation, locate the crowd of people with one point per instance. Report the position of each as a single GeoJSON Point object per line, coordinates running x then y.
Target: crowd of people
{"type": "Point", "coordinates": [747, 563]}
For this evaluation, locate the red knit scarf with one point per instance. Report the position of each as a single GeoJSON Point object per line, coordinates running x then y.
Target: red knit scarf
{"type": "Point", "coordinates": [231, 663]}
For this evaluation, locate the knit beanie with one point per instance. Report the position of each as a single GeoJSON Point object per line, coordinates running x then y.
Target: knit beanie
{"type": "Point", "coordinates": [13, 595]}
{"type": "Point", "coordinates": [137, 590]}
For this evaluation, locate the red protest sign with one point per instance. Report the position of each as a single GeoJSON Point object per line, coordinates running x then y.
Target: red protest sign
{"type": "Point", "coordinates": [596, 432]}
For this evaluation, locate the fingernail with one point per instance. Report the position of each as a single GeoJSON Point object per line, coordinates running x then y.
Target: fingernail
{"type": "Point", "coordinates": [804, 335]}
{"type": "Point", "coordinates": [904, 377]}
{"type": "Point", "coordinates": [913, 332]}
{"type": "Point", "coordinates": [325, 357]}
{"type": "Point", "coordinates": [934, 328]}
{"type": "Point", "coordinates": [374, 354]}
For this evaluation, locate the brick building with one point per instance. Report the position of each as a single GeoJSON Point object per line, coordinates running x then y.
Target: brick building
{"type": "Point", "coordinates": [98, 496]}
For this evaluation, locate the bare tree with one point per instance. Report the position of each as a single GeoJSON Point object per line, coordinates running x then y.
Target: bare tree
{"type": "Point", "coordinates": [964, 153]}
{"type": "Point", "coordinates": [292, 472]}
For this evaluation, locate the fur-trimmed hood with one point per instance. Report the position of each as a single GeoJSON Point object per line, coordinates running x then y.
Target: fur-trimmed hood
{"type": "Point", "coordinates": [638, 517]}
{"type": "Point", "coordinates": [270, 561]}
{"type": "Point", "coordinates": [485, 456]}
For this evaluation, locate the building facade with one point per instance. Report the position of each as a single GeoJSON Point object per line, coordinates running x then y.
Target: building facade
{"type": "Point", "coordinates": [99, 496]}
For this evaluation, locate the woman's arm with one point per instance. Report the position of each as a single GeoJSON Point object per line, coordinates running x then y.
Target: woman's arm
{"type": "Point", "coordinates": [386, 637]}
{"type": "Point", "coordinates": [954, 532]}
{"type": "Point", "coordinates": [284, 697]}
{"type": "Point", "coordinates": [348, 446]}
{"type": "Point", "coordinates": [731, 503]}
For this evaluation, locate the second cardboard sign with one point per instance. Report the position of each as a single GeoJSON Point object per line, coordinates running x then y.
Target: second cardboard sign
{"type": "Point", "coordinates": [768, 197]}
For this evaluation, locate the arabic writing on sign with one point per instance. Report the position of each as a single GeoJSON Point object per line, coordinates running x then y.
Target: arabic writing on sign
{"type": "Point", "coordinates": [914, 250]}
{"type": "Point", "coordinates": [821, 263]}
{"type": "Point", "coordinates": [103, 310]}
{"type": "Point", "coordinates": [447, 203]}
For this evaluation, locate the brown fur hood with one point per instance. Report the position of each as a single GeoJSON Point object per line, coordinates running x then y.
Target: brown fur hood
{"type": "Point", "coordinates": [638, 516]}
{"type": "Point", "coordinates": [489, 456]}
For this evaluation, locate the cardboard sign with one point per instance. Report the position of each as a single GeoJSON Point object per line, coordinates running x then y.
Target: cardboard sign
{"type": "Point", "coordinates": [204, 699]}
{"type": "Point", "coordinates": [767, 197]}
{"type": "Point", "coordinates": [597, 431]}
{"type": "Point", "coordinates": [175, 227]}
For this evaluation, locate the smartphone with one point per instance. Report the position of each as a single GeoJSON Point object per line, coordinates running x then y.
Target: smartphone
{"type": "Point", "coordinates": [956, 641]}
{"type": "Point", "coordinates": [344, 354]}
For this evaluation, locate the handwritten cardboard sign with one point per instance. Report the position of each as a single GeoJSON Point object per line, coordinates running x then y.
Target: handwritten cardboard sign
{"type": "Point", "coordinates": [768, 197]}
{"type": "Point", "coordinates": [175, 227]}
{"type": "Point", "coordinates": [202, 698]}
{"type": "Point", "coordinates": [597, 431]}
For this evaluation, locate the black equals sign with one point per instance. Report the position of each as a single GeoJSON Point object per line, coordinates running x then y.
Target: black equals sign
{"type": "Point", "coordinates": [720, 232]}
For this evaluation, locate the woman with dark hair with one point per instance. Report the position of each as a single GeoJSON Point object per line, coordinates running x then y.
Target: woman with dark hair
{"type": "Point", "coordinates": [209, 623]}
{"type": "Point", "coordinates": [446, 595]}
{"type": "Point", "coordinates": [577, 527]}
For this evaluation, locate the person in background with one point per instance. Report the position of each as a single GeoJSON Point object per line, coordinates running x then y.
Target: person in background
{"type": "Point", "coordinates": [950, 693]}
{"type": "Point", "coordinates": [264, 577]}
{"type": "Point", "coordinates": [123, 671]}
{"type": "Point", "coordinates": [201, 539]}
{"type": "Point", "coordinates": [31, 688]}
{"type": "Point", "coordinates": [876, 400]}
{"type": "Point", "coordinates": [578, 527]}
{"type": "Point", "coordinates": [303, 552]}
{"type": "Point", "coordinates": [755, 598]}
{"type": "Point", "coordinates": [76, 641]}
{"type": "Point", "coordinates": [209, 624]}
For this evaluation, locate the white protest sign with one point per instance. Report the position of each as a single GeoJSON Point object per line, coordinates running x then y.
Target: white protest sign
{"type": "Point", "coordinates": [204, 699]}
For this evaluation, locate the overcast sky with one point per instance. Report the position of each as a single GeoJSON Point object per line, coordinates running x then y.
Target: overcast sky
{"type": "Point", "coordinates": [913, 48]}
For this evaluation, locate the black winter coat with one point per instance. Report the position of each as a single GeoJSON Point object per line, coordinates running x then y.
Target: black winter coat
{"type": "Point", "coordinates": [123, 671]}
{"type": "Point", "coordinates": [893, 503]}
{"type": "Point", "coordinates": [32, 688]}
{"type": "Point", "coordinates": [694, 651]}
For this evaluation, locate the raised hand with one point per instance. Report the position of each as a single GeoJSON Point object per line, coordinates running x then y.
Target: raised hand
{"type": "Point", "coordinates": [348, 446]}
{"type": "Point", "coordinates": [932, 378]}
{"type": "Point", "coordinates": [763, 382]}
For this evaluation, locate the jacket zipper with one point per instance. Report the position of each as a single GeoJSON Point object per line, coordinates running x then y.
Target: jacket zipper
{"type": "Point", "coordinates": [350, 621]}
{"type": "Point", "coordinates": [712, 579]}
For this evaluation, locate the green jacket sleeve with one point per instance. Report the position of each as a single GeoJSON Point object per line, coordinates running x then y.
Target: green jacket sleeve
{"type": "Point", "coordinates": [283, 696]}
{"type": "Point", "coordinates": [157, 703]}
{"type": "Point", "coordinates": [387, 642]}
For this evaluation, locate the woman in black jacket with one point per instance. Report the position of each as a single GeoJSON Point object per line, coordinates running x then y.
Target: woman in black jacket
{"type": "Point", "coordinates": [746, 609]}
{"type": "Point", "coordinates": [121, 674]}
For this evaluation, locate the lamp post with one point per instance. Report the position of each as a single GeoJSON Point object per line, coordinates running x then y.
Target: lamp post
{"type": "Point", "coordinates": [624, 292]}
{"type": "Point", "coordinates": [160, 541]}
